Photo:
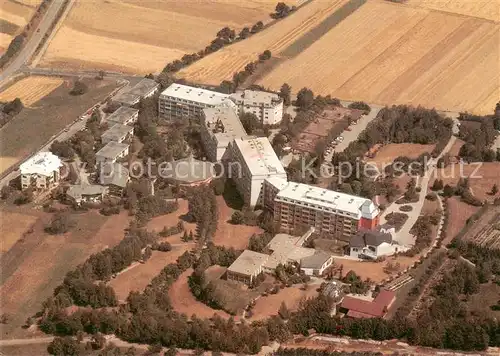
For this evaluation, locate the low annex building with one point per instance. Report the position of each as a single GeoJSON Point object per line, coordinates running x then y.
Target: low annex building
{"type": "Point", "coordinates": [246, 267]}
{"type": "Point", "coordinates": [86, 193]}
{"type": "Point", "coordinates": [115, 176]}
{"type": "Point", "coordinates": [368, 244]}
{"type": "Point", "coordinates": [123, 116]}
{"type": "Point", "coordinates": [41, 171]}
{"type": "Point", "coordinates": [112, 152]}
{"type": "Point", "coordinates": [285, 249]}
{"type": "Point", "coordinates": [144, 89]}
{"type": "Point", "coordinates": [354, 307]}
{"type": "Point", "coordinates": [118, 133]}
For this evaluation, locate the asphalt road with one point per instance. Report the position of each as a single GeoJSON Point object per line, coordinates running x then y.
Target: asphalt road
{"type": "Point", "coordinates": [30, 47]}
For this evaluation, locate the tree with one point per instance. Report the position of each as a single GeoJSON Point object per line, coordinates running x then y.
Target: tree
{"type": "Point", "coordinates": [250, 122]}
{"type": "Point", "coordinates": [285, 93]}
{"type": "Point", "coordinates": [283, 311]}
{"type": "Point", "coordinates": [264, 56]}
{"type": "Point", "coordinates": [171, 352]}
{"type": "Point", "coordinates": [79, 88]}
{"type": "Point", "coordinates": [14, 107]}
{"type": "Point", "coordinates": [437, 185]}
{"type": "Point", "coordinates": [244, 33]}
{"type": "Point", "coordinates": [64, 346]}
{"type": "Point", "coordinates": [494, 189]}
{"type": "Point", "coordinates": [101, 75]}
{"type": "Point", "coordinates": [98, 341]}
{"type": "Point", "coordinates": [25, 197]}
{"type": "Point", "coordinates": [281, 10]}
{"type": "Point", "coordinates": [237, 218]}
{"type": "Point", "coordinates": [257, 27]}
{"type": "Point", "coordinates": [60, 223]}
{"type": "Point", "coordinates": [448, 191]}
{"type": "Point", "coordinates": [305, 98]}
{"type": "Point", "coordinates": [62, 149]}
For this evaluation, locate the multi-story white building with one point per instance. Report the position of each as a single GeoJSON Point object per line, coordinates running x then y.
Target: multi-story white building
{"type": "Point", "coordinates": [336, 215]}
{"type": "Point", "coordinates": [268, 107]}
{"type": "Point", "coordinates": [131, 96]}
{"type": "Point", "coordinates": [219, 126]}
{"type": "Point", "coordinates": [118, 133]}
{"type": "Point", "coordinates": [182, 101]}
{"type": "Point", "coordinates": [40, 171]}
{"type": "Point", "coordinates": [253, 160]}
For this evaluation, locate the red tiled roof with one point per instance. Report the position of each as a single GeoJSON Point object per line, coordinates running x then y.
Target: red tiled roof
{"type": "Point", "coordinates": [359, 308]}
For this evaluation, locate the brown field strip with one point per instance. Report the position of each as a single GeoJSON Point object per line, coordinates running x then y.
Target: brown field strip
{"type": "Point", "coordinates": [30, 89]}
{"type": "Point", "coordinates": [222, 64]}
{"type": "Point", "coordinates": [387, 53]}
{"type": "Point", "coordinates": [144, 36]}
{"type": "Point", "coordinates": [12, 228]}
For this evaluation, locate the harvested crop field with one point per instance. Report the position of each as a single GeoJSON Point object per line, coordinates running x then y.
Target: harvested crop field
{"type": "Point", "coordinates": [486, 9]}
{"type": "Point", "coordinates": [482, 177]}
{"type": "Point", "coordinates": [32, 269]}
{"type": "Point", "coordinates": [31, 89]}
{"type": "Point", "coordinates": [459, 212]}
{"type": "Point", "coordinates": [268, 306]}
{"type": "Point", "coordinates": [183, 300]}
{"type": "Point", "coordinates": [144, 36]}
{"type": "Point", "coordinates": [35, 125]}
{"type": "Point", "coordinates": [138, 276]}
{"type": "Point", "coordinates": [486, 229]}
{"type": "Point", "coordinates": [224, 63]}
{"type": "Point", "coordinates": [12, 228]}
{"type": "Point", "coordinates": [389, 53]}
{"type": "Point", "coordinates": [14, 15]}
{"type": "Point", "coordinates": [388, 153]}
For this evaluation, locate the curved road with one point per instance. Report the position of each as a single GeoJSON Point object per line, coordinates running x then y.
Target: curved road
{"type": "Point", "coordinates": [34, 41]}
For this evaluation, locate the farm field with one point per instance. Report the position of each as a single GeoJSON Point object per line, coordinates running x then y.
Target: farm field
{"type": "Point", "coordinates": [388, 53]}
{"type": "Point", "coordinates": [482, 176]}
{"type": "Point", "coordinates": [31, 89]}
{"type": "Point", "coordinates": [183, 300]}
{"type": "Point", "coordinates": [12, 228]}
{"type": "Point", "coordinates": [35, 125]}
{"type": "Point", "coordinates": [32, 269]}
{"type": "Point", "coordinates": [486, 9]}
{"type": "Point", "coordinates": [140, 275]}
{"type": "Point", "coordinates": [486, 232]}
{"type": "Point", "coordinates": [388, 153]}
{"type": "Point", "coordinates": [13, 17]}
{"type": "Point", "coordinates": [224, 63]}
{"type": "Point", "coordinates": [459, 212]}
{"type": "Point", "coordinates": [268, 306]}
{"type": "Point", "coordinates": [140, 39]}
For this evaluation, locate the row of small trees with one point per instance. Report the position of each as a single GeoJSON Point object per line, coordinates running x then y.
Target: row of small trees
{"type": "Point", "coordinates": [224, 37]}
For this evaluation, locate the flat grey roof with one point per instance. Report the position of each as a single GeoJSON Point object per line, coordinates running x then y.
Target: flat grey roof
{"type": "Point", "coordinates": [248, 263]}
{"type": "Point", "coordinates": [117, 131]}
{"type": "Point", "coordinates": [77, 191]}
{"type": "Point", "coordinates": [114, 174]}
{"type": "Point", "coordinates": [112, 150]}
{"type": "Point", "coordinates": [223, 123]}
{"type": "Point", "coordinates": [256, 96]}
{"type": "Point", "coordinates": [194, 94]}
{"type": "Point", "coordinates": [141, 89]}
{"type": "Point", "coordinates": [259, 156]}
{"type": "Point", "coordinates": [315, 261]}
{"type": "Point", "coordinates": [122, 115]}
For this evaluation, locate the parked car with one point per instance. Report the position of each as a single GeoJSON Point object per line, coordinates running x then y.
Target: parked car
{"type": "Point", "coordinates": [348, 129]}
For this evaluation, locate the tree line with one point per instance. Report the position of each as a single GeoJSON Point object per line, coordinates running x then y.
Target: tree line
{"type": "Point", "coordinates": [224, 37]}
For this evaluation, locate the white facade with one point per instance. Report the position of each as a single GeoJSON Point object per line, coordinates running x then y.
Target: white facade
{"type": "Point", "coordinates": [118, 133]}
{"type": "Point", "coordinates": [317, 271]}
{"type": "Point", "coordinates": [124, 116]}
{"type": "Point", "coordinates": [252, 161]}
{"type": "Point", "coordinates": [374, 252]}
{"type": "Point", "coordinates": [40, 171]}
{"type": "Point", "coordinates": [183, 101]}
{"type": "Point", "coordinates": [219, 126]}
{"type": "Point", "coordinates": [268, 107]}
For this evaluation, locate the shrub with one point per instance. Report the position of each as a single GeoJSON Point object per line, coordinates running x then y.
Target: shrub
{"type": "Point", "coordinates": [360, 105]}
{"type": "Point", "coordinates": [237, 218]}
{"type": "Point", "coordinates": [406, 208]}
{"type": "Point", "coordinates": [60, 224]}
{"type": "Point", "coordinates": [79, 88]}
